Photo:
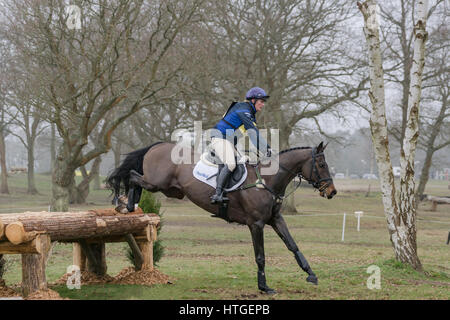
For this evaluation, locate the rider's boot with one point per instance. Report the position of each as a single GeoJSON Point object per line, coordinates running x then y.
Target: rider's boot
{"type": "Point", "coordinates": [222, 179]}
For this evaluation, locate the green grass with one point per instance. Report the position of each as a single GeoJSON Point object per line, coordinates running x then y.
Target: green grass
{"type": "Point", "coordinates": [210, 259]}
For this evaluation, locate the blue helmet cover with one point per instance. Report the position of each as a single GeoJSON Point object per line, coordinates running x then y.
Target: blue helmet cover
{"type": "Point", "coordinates": [256, 93]}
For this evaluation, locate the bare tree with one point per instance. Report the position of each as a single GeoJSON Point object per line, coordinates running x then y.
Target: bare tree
{"type": "Point", "coordinates": [29, 120]}
{"type": "Point", "coordinates": [5, 118]}
{"type": "Point", "coordinates": [400, 212]}
{"type": "Point", "coordinates": [297, 50]}
{"type": "Point", "coordinates": [435, 126]}
{"type": "Point", "coordinates": [113, 62]}
{"type": "Point", "coordinates": [4, 122]}
{"type": "Point", "coordinates": [397, 40]}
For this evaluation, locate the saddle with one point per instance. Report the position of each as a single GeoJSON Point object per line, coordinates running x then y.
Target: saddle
{"type": "Point", "coordinates": [207, 168]}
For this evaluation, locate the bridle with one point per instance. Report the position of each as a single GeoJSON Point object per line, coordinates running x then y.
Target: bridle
{"type": "Point", "coordinates": [316, 184]}
{"type": "Point", "coordinates": [314, 170]}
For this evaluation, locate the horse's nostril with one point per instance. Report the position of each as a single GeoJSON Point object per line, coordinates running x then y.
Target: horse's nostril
{"type": "Point", "coordinates": [333, 193]}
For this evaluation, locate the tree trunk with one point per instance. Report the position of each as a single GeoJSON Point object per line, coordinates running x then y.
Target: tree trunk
{"type": "Point", "coordinates": [431, 149]}
{"type": "Point", "coordinates": [81, 192]}
{"type": "Point", "coordinates": [97, 184]}
{"type": "Point", "coordinates": [30, 174]}
{"type": "Point", "coordinates": [95, 173]}
{"type": "Point", "coordinates": [288, 206]}
{"type": "Point", "coordinates": [425, 174]}
{"type": "Point", "coordinates": [73, 191]}
{"type": "Point", "coordinates": [52, 147]}
{"type": "Point", "coordinates": [62, 178]}
{"type": "Point", "coordinates": [33, 269]}
{"type": "Point", "coordinates": [116, 151]}
{"type": "Point", "coordinates": [401, 215]}
{"type": "Point", "coordinates": [4, 174]}
{"type": "Point", "coordinates": [407, 155]}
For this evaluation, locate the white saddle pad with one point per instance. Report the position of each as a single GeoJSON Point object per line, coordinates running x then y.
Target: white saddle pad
{"type": "Point", "coordinates": [207, 173]}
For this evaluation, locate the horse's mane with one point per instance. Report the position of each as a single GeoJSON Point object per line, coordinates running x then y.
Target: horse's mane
{"type": "Point", "coordinates": [295, 148]}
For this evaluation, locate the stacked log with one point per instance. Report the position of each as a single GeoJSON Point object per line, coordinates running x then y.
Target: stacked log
{"type": "Point", "coordinates": [31, 233]}
{"type": "Point", "coordinates": [71, 226]}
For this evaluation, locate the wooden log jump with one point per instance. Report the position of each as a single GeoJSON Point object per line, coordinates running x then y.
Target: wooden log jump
{"type": "Point", "coordinates": [31, 233]}
{"type": "Point", "coordinates": [435, 201]}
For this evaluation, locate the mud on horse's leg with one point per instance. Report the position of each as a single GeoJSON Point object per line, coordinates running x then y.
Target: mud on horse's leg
{"type": "Point", "coordinates": [256, 230]}
{"type": "Point", "coordinates": [280, 227]}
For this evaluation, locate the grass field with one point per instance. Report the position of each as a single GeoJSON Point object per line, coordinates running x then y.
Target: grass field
{"type": "Point", "coordinates": [211, 259]}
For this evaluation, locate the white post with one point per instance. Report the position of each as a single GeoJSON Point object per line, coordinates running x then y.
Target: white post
{"type": "Point", "coordinates": [343, 226]}
{"type": "Point", "coordinates": [358, 214]}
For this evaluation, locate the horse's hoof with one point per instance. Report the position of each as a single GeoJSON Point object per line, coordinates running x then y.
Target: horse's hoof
{"type": "Point", "coordinates": [267, 290]}
{"type": "Point", "coordinates": [313, 279]}
{"type": "Point", "coordinates": [121, 209]}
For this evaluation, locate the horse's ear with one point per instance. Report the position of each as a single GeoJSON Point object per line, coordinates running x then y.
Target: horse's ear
{"type": "Point", "coordinates": [325, 146]}
{"type": "Point", "coordinates": [320, 147]}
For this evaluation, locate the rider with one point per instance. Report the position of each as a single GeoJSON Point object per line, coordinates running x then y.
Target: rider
{"type": "Point", "coordinates": [240, 116]}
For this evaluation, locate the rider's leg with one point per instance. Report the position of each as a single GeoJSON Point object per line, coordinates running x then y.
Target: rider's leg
{"type": "Point", "coordinates": [225, 151]}
{"type": "Point", "coordinates": [222, 179]}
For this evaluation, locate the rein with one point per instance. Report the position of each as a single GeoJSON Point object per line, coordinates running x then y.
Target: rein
{"type": "Point", "coordinates": [280, 197]}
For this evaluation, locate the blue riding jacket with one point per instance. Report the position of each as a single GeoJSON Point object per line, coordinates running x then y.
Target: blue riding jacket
{"type": "Point", "coordinates": [241, 116]}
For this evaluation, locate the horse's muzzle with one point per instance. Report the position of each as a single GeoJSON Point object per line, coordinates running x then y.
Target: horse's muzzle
{"type": "Point", "coordinates": [329, 192]}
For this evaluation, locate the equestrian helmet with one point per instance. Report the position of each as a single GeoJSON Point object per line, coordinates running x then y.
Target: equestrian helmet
{"type": "Point", "coordinates": [256, 93]}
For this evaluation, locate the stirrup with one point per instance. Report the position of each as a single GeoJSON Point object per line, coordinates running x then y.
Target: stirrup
{"type": "Point", "coordinates": [217, 199]}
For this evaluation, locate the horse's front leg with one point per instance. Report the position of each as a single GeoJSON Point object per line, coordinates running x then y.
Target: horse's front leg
{"type": "Point", "coordinates": [256, 230]}
{"type": "Point", "coordinates": [280, 227]}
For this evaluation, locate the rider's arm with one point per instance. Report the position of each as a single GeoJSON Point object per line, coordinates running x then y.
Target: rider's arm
{"type": "Point", "coordinates": [257, 140]}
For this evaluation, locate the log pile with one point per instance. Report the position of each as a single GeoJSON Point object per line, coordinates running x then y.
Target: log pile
{"type": "Point", "coordinates": [31, 234]}
{"type": "Point", "coordinates": [71, 226]}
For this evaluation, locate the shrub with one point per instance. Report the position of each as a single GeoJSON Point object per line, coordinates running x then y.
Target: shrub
{"type": "Point", "coordinates": [150, 204]}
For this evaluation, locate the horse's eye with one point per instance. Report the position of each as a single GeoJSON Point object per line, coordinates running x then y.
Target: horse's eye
{"type": "Point", "coordinates": [322, 165]}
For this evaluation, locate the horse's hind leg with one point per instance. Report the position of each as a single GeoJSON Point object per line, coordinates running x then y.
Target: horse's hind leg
{"type": "Point", "coordinates": [131, 195]}
{"type": "Point", "coordinates": [116, 186]}
{"type": "Point", "coordinates": [136, 183]}
{"type": "Point", "coordinates": [135, 190]}
{"type": "Point", "coordinates": [280, 227]}
{"type": "Point", "coordinates": [256, 230]}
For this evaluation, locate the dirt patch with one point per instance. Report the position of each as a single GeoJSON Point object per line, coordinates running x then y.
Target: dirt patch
{"type": "Point", "coordinates": [126, 276]}
{"type": "Point", "coordinates": [45, 295]}
{"type": "Point", "coordinates": [6, 292]}
{"type": "Point", "coordinates": [144, 277]}
{"type": "Point", "coordinates": [86, 278]}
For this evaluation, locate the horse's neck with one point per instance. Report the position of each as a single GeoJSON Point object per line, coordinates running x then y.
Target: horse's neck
{"type": "Point", "coordinates": [293, 162]}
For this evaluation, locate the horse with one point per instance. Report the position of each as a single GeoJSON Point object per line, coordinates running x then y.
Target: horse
{"type": "Point", "coordinates": [151, 168]}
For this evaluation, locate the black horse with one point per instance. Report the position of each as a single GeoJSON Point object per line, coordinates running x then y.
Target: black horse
{"type": "Point", "coordinates": [151, 168]}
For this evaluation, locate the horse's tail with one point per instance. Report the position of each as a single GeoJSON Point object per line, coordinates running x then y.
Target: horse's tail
{"type": "Point", "coordinates": [119, 179]}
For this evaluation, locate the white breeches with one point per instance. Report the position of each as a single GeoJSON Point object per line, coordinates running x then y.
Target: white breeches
{"type": "Point", "coordinates": [224, 149]}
